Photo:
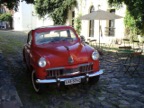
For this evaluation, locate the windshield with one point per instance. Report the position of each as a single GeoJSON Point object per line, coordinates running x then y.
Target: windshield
{"type": "Point", "coordinates": [54, 36]}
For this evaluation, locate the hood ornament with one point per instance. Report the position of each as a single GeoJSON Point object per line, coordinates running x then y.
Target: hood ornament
{"type": "Point", "coordinates": [70, 60]}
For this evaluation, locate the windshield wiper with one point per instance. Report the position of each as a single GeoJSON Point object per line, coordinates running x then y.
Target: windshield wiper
{"type": "Point", "coordinates": [65, 39]}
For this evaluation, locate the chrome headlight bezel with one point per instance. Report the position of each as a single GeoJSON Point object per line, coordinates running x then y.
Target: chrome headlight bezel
{"type": "Point", "coordinates": [42, 62]}
{"type": "Point", "coordinates": [95, 55]}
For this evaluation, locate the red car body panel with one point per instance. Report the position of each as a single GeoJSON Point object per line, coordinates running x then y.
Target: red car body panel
{"type": "Point", "coordinates": [57, 54]}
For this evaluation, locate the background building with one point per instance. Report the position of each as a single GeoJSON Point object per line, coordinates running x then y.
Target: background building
{"type": "Point", "coordinates": [109, 28]}
{"type": "Point", "coordinates": [25, 19]}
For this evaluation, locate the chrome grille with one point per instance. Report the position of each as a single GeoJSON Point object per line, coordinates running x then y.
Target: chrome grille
{"type": "Point", "coordinates": [70, 71]}
{"type": "Point", "coordinates": [86, 68]}
{"type": "Point", "coordinates": [55, 72]}
{"type": "Point", "coordinates": [61, 71]}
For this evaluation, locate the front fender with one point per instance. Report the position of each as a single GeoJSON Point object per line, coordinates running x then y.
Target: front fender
{"type": "Point", "coordinates": [34, 58]}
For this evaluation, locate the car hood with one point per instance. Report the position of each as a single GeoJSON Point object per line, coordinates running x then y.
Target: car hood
{"type": "Point", "coordinates": [65, 55]}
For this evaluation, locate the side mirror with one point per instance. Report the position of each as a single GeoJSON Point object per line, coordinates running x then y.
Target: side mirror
{"type": "Point", "coordinates": [82, 38]}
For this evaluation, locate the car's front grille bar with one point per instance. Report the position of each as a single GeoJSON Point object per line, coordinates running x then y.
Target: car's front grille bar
{"type": "Point", "coordinates": [55, 72]}
{"type": "Point", "coordinates": [86, 68]}
{"type": "Point", "coordinates": [61, 71]}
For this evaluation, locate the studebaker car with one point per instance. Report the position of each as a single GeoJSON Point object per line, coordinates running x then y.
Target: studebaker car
{"type": "Point", "coordinates": [56, 54]}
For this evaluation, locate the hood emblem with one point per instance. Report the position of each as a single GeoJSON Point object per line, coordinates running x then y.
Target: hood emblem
{"type": "Point", "coordinates": [70, 60]}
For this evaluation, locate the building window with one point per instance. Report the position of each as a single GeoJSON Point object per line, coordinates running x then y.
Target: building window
{"type": "Point", "coordinates": [112, 25]}
{"type": "Point", "coordinates": [91, 24]}
{"type": "Point", "coordinates": [2, 10]}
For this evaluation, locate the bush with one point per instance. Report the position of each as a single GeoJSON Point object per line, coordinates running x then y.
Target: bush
{"type": "Point", "coordinates": [6, 17]}
{"type": "Point", "coordinates": [78, 24]}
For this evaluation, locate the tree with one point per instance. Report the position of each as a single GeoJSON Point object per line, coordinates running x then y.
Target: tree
{"type": "Point", "coordinates": [6, 17]}
{"type": "Point", "coordinates": [56, 9]}
{"type": "Point", "coordinates": [135, 11]}
{"type": "Point", "coordinates": [13, 4]}
{"type": "Point", "coordinates": [77, 24]}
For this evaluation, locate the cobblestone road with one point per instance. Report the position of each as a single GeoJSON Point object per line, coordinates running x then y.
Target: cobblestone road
{"type": "Point", "coordinates": [8, 94]}
{"type": "Point", "coordinates": [114, 89]}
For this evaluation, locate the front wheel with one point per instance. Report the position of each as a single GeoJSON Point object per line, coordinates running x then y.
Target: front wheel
{"type": "Point", "coordinates": [35, 85]}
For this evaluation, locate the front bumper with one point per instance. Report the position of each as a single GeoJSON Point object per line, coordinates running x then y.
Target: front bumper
{"type": "Point", "coordinates": [57, 80]}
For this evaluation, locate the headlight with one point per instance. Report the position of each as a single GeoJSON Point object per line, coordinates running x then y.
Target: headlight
{"type": "Point", "coordinates": [95, 55]}
{"type": "Point", "coordinates": [42, 62]}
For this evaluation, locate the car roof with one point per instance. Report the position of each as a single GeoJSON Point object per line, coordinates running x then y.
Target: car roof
{"type": "Point", "coordinates": [52, 26]}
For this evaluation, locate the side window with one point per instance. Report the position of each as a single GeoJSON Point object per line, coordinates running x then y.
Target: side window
{"type": "Point", "coordinates": [29, 40]}
{"type": "Point", "coordinates": [63, 34]}
{"type": "Point", "coordinates": [72, 34]}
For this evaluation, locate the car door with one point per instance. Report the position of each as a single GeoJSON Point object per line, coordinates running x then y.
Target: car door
{"type": "Point", "coordinates": [28, 49]}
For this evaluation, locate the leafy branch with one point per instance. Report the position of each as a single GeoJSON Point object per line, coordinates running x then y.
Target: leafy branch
{"type": "Point", "coordinates": [135, 12]}
{"type": "Point", "coordinates": [56, 9]}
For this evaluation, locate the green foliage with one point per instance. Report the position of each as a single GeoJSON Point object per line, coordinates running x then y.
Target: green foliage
{"type": "Point", "coordinates": [77, 25]}
{"type": "Point", "coordinates": [130, 24]}
{"type": "Point", "coordinates": [13, 4]}
{"type": "Point", "coordinates": [115, 3]}
{"type": "Point", "coordinates": [29, 1]}
{"type": "Point", "coordinates": [135, 14]}
{"type": "Point", "coordinates": [56, 9]}
{"type": "Point", "coordinates": [6, 17]}
{"type": "Point", "coordinates": [10, 4]}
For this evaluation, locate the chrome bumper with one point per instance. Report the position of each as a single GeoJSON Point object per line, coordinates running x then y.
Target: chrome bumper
{"type": "Point", "coordinates": [63, 79]}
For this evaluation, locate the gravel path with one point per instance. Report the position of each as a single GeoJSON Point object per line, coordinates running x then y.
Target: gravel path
{"type": "Point", "coordinates": [9, 97]}
{"type": "Point", "coordinates": [114, 90]}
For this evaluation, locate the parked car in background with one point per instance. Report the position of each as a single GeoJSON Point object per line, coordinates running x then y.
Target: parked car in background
{"type": "Point", "coordinates": [56, 54]}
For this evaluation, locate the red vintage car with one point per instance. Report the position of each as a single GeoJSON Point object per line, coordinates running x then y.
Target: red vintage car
{"type": "Point", "coordinates": [56, 54]}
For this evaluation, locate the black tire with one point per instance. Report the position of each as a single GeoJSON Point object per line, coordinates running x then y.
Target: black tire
{"type": "Point", "coordinates": [94, 80]}
{"type": "Point", "coordinates": [36, 86]}
{"type": "Point", "coordinates": [28, 70]}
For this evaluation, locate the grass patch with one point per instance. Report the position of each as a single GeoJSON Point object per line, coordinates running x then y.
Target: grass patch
{"type": "Point", "coordinates": [10, 43]}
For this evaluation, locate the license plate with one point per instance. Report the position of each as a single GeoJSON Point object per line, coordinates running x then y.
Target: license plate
{"type": "Point", "coordinates": [73, 81]}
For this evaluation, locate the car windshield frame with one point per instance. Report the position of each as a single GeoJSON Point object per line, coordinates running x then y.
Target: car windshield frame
{"type": "Point", "coordinates": [52, 36]}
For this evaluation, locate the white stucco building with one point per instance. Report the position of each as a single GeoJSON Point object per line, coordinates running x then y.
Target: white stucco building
{"type": "Point", "coordinates": [26, 19]}
{"type": "Point", "coordinates": [109, 28]}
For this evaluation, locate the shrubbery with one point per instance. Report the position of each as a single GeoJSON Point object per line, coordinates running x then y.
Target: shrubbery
{"type": "Point", "coordinates": [6, 17]}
